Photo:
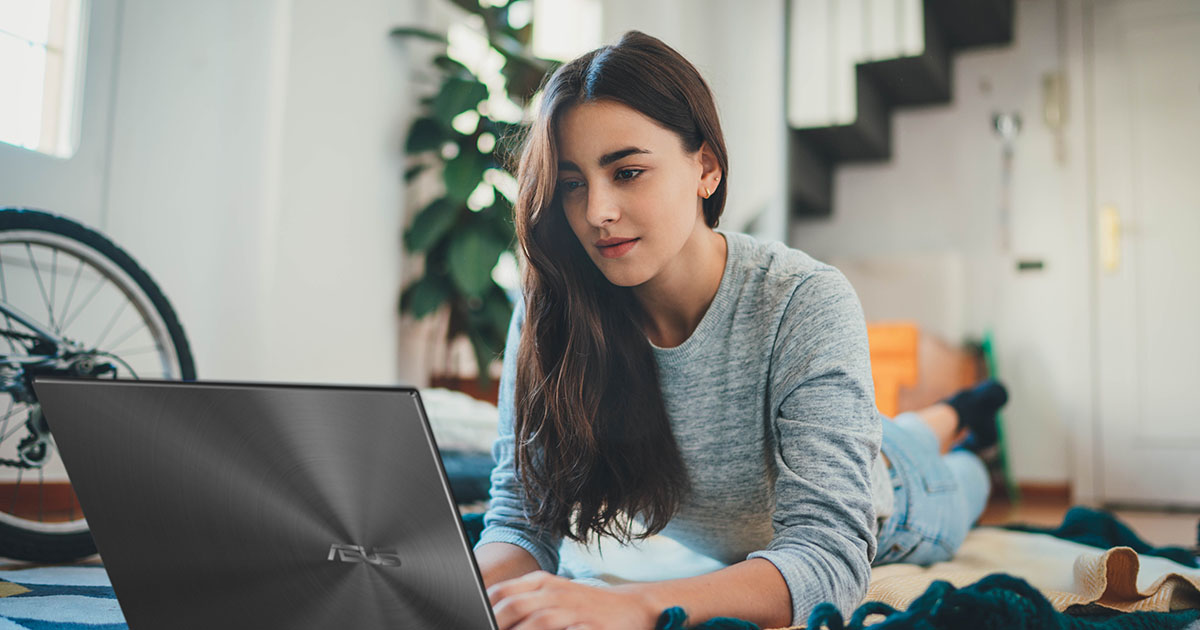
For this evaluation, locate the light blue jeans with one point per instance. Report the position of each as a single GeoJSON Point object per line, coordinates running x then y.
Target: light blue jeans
{"type": "Point", "coordinates": [938, 497]}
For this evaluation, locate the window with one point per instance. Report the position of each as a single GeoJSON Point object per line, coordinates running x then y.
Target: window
{"type": "Point", "coordinates": [41, 61]}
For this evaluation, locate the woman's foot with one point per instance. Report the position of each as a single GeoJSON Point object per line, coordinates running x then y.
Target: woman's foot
{"type": "Point", "coordinates": [976, 408]}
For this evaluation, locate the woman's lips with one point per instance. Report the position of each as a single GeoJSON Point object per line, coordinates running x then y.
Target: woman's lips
{"type": "Point", "coordinates": [617, 250]}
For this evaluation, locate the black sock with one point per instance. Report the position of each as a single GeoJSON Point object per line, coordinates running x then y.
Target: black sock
{"type": "Point", "coordinates": [976, 408]}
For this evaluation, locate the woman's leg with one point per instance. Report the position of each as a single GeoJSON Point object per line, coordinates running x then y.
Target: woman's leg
{"type": "Point", "coordinates": [938, 497]}
{"type": "Point", "coordinates": [941, 490]}
{"type": "Point", "coordinates": [942, 419]}
{"type": "Point", "coordinates": [972, 410]}
{"type": "Point", "coordinates": [973, 481]}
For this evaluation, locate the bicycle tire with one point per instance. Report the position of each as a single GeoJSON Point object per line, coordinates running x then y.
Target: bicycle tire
{"type": "Point", "coordinates": [39, 546]}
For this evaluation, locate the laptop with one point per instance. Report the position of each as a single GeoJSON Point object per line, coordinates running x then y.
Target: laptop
{"type": "Point", "coordinates": [238, 505]}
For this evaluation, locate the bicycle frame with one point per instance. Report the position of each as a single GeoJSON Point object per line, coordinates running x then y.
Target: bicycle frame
{"type": "Point", "coordinates": [12, 312]}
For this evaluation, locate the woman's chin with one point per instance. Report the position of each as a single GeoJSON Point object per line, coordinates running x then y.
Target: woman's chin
{"type": "Point", "coordinates": [624, 277]}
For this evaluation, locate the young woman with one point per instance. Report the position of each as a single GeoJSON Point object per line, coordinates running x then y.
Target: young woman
{"type": "Point", "coordinates": [663, 376]}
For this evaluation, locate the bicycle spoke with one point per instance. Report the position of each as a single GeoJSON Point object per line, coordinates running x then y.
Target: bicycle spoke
{"type": "Point", "coordinates": [112, 322]}
{"type": "Point", "coordinates": [129, 334]}
{"type": "Point", "coordinates": [140, 350]}
{"type": "Point", "coordinates": [53, 277]}
{"type": "Point", "coordinates": [79, 310]}
{"type": "Point", "coordinates": [4, 435]}
{"type": "Point", "coordinates": [14, 429]}
{"type": "Point", "coordinates": [4, 296]}
{"type": "Point", "coordinates": [7, 414]}
{"type": "Point", "coordinates": [71, 293]}
{"type": "Point", "coordinates": [41, 286]}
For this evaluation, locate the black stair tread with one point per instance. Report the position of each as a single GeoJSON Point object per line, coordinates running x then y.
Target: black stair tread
{"type": "Point", "coordinates": [869, 137]}
{"type": "Point", "coordinates": [910, 80]}
{"type": "Point", "coordinates": [917, 80]}
{"type": "Point", "coordinates": [882, 85]}
{"type": "Point", "coordinates": [811, 180]}
{"type": "Point", "coordinates": [967, 23]}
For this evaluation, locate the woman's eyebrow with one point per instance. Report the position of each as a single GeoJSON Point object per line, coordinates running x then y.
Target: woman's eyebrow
{"type": "Point", "coordinates": [606, 159]}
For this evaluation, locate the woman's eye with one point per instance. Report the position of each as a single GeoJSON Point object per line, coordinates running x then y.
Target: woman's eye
{"type": "Point", "coordinates": [624, 174]}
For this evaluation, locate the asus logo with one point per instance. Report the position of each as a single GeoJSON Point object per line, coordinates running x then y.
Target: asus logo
{"type": "Point", "coordinates": [357, 553]}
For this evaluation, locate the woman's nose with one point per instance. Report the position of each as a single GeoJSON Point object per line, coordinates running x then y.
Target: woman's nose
{"type": "Point", "coordinates": [602, 207]}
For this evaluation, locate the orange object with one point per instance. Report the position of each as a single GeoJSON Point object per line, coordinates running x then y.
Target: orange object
{"type": "Point", "coordinates": [893, 362]}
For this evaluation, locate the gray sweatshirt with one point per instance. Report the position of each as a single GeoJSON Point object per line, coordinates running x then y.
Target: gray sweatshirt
{"type": "Point", "coordinates": [772, 404]}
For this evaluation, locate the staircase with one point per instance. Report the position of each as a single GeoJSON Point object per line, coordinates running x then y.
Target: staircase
{"type": "Point", "coordinates": [950, 26]}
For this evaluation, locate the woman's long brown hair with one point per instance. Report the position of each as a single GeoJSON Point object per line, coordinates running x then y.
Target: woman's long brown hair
{"type": "Point", "coordinates": [594, 446]}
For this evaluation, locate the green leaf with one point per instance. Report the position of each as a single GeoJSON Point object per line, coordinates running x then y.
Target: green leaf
{"type": "Point", "coordinates": [452, 67]}
{"type": "Point", "coordinates": [490, 314]}
{"type": "Point", "coordinates": [457, 96]}
{"type": "Point", "coordinates": [413, 31]}
{"type": "Point", "coordinates": [498, 218]}
{"type": "Point", "coordinates": [424, 296]}
{"type": "Point", "coordinates": [425, 134]}
{"type": "Point", "coordinates": [474, 251]}
{"type": "Point", "coordinates": [464, 172]}
{"type": "Point", "coordinates": [431, 224]}
{"type": "Point", "coordinates": [471, 6]}
{"type": "Point", "coordinates": [498, 311]}
{"type": "Point", "coordinates": [523, 71]}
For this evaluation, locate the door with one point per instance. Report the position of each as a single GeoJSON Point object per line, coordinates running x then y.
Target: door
{"type": "Point", "coordinates": [1146, 102]}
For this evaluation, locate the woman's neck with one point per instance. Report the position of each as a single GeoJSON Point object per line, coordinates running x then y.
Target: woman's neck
{"type": "Point", "coordinates": [678, 297]}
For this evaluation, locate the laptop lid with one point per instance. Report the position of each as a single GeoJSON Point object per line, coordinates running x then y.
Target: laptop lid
{"type": "Point", "coordinates": [237, 505]}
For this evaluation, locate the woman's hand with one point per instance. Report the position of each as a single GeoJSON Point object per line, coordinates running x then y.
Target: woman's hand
{"type": "Point", "coordinates": [544, 601]}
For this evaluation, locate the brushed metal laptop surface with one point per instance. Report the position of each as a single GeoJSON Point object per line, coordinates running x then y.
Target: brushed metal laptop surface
{"type": "Point", "coordinates": [221, 505]}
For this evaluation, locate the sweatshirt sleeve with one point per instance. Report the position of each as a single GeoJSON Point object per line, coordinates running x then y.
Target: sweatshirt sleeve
{"type": "Point", "coordinates": [828, 434]}
{"type": "Point", "coordinates": [505, 520]}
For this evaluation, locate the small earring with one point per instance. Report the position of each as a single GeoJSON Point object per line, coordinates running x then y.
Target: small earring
{"type": "Point", "coordinates": [707, 193]}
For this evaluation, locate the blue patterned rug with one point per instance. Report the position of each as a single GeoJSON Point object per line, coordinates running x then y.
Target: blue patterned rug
{"type": "Point", "coordinates": [77, 597]}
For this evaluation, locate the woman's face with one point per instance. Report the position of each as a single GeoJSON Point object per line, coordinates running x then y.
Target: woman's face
{"type": "Point", "coordinates": [630, 192]}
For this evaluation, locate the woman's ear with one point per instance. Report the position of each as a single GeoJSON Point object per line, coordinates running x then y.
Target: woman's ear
{"type": "Point", "coordinates": [710, 171]}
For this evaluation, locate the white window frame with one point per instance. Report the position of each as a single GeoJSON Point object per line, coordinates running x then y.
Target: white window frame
{"type": "Point", "coordinates": [54, 129]}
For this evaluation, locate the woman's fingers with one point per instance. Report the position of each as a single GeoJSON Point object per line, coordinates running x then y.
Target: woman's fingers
{"type": "Point", "coordinates": [523, 584]}
{"type": "Point", "coordinates": [549, 619]}
{"type": "Point", "coordinates": [529, 602]}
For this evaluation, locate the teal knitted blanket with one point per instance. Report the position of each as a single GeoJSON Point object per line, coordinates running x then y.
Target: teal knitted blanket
{"type": "Point", "coordinates": [996, 602]}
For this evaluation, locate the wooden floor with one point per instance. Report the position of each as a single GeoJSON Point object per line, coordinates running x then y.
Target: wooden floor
{"type": "Point", "coordinates": [1178, 529]}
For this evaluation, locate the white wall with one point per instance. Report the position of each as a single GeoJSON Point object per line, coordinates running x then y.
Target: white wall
{"type": "Point", "coordinates": [738, 47]}
{"type": "Point", "coordinates": [940, 194]}
{"type": "Point", "coordinates": [254, 169]}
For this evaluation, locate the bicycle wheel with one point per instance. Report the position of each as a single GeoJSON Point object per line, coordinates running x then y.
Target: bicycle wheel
{"type": "Point", "coordinates": [71, 303]}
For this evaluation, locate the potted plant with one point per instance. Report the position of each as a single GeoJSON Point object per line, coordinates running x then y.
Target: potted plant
{"type": "Point", "coordinates": [463, 135]}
